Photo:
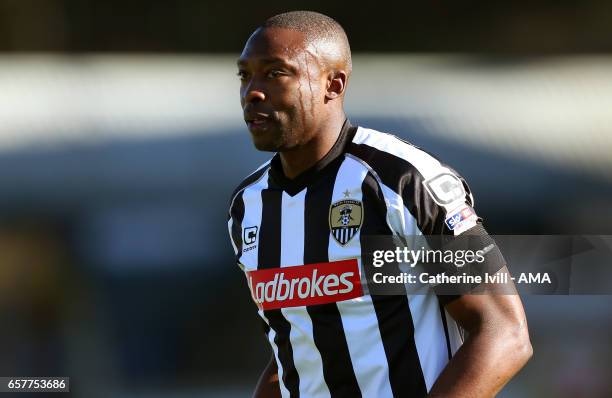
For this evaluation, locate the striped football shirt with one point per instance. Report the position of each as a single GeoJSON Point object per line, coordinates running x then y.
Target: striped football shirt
{"type": "Point", "coordinates": [299, 243]}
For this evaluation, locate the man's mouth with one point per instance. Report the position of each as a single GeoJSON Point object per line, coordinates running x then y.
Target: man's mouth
{"type": "Point", "coordinates": [258, 122]}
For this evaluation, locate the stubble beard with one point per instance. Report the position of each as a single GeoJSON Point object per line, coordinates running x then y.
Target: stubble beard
{"type": "Point", "coordinates": [283, 137]}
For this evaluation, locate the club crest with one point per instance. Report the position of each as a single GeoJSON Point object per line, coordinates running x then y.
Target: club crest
{"type": "Point", "coordinates": [345, 218]}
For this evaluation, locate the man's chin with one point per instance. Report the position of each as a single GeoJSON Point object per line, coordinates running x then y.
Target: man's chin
{"type": "Point", "coordinates": [265, 145]}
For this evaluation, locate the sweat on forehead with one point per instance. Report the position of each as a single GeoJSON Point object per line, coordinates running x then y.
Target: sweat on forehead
{"type": "Point", "coordinates": [321, 33]}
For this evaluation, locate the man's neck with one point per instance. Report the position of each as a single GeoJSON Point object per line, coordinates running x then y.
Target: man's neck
{"type": "Point", "coordinates": [300, 159]}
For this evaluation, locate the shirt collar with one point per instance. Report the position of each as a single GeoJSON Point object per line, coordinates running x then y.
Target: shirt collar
{"type": "Point", "coordinates": [297, 184]}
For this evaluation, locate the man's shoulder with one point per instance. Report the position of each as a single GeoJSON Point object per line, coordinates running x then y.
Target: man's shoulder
{"type": "Point", "coordinates": [410, 171]}
{"type": "Point", "coordinates": [389, 155]}
{"type": "Point", "coordinates": [250, 179]}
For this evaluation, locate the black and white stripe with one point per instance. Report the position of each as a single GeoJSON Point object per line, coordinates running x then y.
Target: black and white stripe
{"type": "Point", "coordinates": [412, 212]}
{"type": "Point", "coordinates": [328, 330]}
{"type": "Point", "coordinates": [359, 319]}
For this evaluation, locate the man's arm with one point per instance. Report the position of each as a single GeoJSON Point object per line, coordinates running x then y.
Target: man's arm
{"type": "Point", "coordinates": [496, 348]}
{"type": "Point", "coordinates": [267, 386]}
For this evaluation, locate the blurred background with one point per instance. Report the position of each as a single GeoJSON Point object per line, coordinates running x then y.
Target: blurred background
{"type": "Point", "coordinates": [121, 141]}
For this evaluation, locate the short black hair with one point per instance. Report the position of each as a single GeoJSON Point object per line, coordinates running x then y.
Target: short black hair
{"type": "Point", "coordinates": [316, 27]}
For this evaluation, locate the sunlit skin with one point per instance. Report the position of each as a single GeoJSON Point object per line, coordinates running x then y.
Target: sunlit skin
{"type": "Point", "coordinates": [291, 92]}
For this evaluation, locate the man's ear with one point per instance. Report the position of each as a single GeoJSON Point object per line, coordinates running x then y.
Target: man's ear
{"type": "Point", "coordinates": [336, 84]}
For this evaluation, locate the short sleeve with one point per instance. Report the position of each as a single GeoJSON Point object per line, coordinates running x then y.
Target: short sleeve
{"type": "Point", "coordinates": [441, 202]}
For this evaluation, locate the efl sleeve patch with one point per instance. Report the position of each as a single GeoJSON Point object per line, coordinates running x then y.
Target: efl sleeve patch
{"type": "Point", "coordinates": [461, 219]}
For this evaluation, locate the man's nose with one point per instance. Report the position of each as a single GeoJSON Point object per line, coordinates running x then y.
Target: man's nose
{"type": "Point", "coordinates": [253, 93]}
{"type": "Point", "coordinates": [254, 96]}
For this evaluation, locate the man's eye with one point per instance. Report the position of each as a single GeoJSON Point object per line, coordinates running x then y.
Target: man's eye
{"type": "Point", "coordinates": [275, 73]}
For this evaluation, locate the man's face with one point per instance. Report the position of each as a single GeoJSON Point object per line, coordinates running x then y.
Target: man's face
{"type": "Point", "coordinates": [282, 89]}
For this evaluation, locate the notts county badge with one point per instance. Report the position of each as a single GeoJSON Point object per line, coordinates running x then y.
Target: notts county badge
{"type": "Point", "coordinates": [345, 217]}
